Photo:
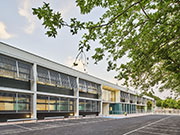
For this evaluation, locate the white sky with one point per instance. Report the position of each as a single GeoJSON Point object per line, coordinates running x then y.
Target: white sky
{"type": "Point", "coordinates": [19, 28]}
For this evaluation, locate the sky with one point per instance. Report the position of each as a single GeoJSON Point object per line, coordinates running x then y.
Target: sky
{"type": "Point", "coordinates": [19, 28]}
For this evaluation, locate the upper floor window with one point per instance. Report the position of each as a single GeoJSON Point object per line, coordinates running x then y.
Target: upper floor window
{"type": "Point", "coordinates": [14, 68]}
{"type": "Point", "coordinates": [124, 95]}
{"type": "Point", "coordinates": [90, 87]}
{"type": "Point", "coordinates": [132, 97]}
{"type": "Point", "coordinates": [50, 77]}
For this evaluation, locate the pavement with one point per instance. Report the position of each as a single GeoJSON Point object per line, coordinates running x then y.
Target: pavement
{"type": "Point", "coordinates": [142, 125]}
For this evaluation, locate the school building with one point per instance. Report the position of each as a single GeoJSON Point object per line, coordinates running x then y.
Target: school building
{"type": "Point", "coordinates": [35, 87]}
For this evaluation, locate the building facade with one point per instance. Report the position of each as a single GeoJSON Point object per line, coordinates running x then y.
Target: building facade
{"type": "Point", "coordinates": [32, 86]}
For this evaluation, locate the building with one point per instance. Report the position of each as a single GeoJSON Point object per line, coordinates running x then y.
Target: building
{"type": "Point", "coordinates": [32, 86]}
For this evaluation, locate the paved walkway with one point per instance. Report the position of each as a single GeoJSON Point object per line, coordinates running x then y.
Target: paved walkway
{"type": "Point", "coordinates": [116, 116]}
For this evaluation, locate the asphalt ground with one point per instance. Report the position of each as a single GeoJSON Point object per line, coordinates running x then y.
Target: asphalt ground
{"type": "Point", "coordinates": [143, 125]}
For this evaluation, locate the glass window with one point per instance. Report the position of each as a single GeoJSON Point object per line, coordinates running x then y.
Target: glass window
{"type": "Point", "coordinates": [43, 75]}
{"type": "Point", "coordinates": [82, 105]}
{"type": "Point", "coordinates": [23, 102]}
{"type": "Point", "coordinates": [53, 103]}
{"type": "Point", "coordinates": [50, 77]}
{"type": "Point", "coordinates": [9, 66]}
{"type": "Point", "coordinates": [7, 102]}
{"type": "Point", "coordinates": [90, 87]}
{"type": "Point", "coordinates": [15, 102]}
{"type": "Point", "coordinates": [64, 104]}
{"type": "Point", "coordinates": [55, 78]}
{"type": "Point", "coordinates": [42, 103]}
{"type": "Point", "coordinates": [88, 106]}
{"type": "Point", "coordinates": [65, 81]}
{"type": "Point", "coordinates": [71, 104]}
{"type": "Point", "coordinates": [82, 86]}
{"type": "Point", "coordinates": [94, 106]}
{"type": "Point", "coordinates": [73, 82]}
{"type": "Point", "coordinates": [24, 70]}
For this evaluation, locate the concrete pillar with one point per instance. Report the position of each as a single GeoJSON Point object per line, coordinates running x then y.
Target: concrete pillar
{"type": "Point", "coordinates": [101, 102]}
{"type": "Point", "coordinates": [34, 89]}
{"type": "Point", "coordinates": [76, 94]}
{"type": "Point", "coordinates": [129, 98]}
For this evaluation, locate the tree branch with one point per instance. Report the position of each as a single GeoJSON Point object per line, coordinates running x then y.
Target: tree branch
{"type": "Point", "coordinates": [144, 11]}
{"type": "Point", "coordinates": [113, 20]}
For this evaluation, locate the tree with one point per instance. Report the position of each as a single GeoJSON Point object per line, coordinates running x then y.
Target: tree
{"type": "Point", "coordinates": [147, 31]}
{"type": "Point", "coordinates": [178, 104]}
{"type": "Point", "coordinates": [164, 104]}
{"type": "Point", "coordinates": [158, 103]}
{"type": "Point", "coordinates": [150, 94]}
{"type": "Point", "coordinates": [149, 104]}
{"type": "Point", "coordinates": [171, 102]}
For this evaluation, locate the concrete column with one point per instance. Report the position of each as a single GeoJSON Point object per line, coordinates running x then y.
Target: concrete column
{"type": "Point", "coordinates": [129, 98]}
{"type": "Point", "coordinates": [101, 102]}
{"type": "Point", "coordinates": [34, 89]}
{"type": "Point", "coordinates": [76, 93]}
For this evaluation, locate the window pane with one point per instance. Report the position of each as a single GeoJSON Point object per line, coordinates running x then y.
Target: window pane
{"type": "Point", "coordinates": [42, 103]}
{"type": "Point", "coordinates": [53, 103]}
{"type": "Point", "coordinates": [23, 102]}
{"type": "Point", "coordinates": [65, 81]}
{"type": "Point", "coordinates": [43, 75]}
{"type": "Point", "coordinates": [82, 105]}
{"type": "Point", "coordinates": [63, 104]}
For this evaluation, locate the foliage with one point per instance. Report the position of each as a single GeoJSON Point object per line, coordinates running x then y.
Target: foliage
{"type": "Point", "coordinates": [158, 103]}
{"type": "Point", "coordinates": [149, 104]}
{"type": "Point", "coordinates": [150, 94]}
{"type": "Point", "coordinates": [168, 103]}
{"type": "Point", "coordinates": [147, 31]}
{"type": "Point", "coordinates": [164, 104]}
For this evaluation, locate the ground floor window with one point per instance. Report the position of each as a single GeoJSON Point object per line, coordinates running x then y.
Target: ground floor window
{"type": "Point", "coordinates": [14, 102]}
{"type": "Point", "coordinates": [57, 104]}
{"type": "Point", "coordinates": [122, 108]}
{"type": "Point", "coordinates": [88, 106]}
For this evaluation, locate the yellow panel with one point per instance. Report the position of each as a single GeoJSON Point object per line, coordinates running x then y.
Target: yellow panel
{"type": "Point", "coordinates": [42, 107]}
{"type": "Point", "coordinates": [52, 101]}
{"type": "Point", "coordinates": [7, 98]}
{"type": "Point", "coordinates": [71, 108]}
{"type": "Point", "coordinates": [51, 107]}
{"type": "Point", "coordinates": [2, 106]}
{"type": "Point", "coordinates": [6, 106]}
{"type": "Point", "coordinates": [109, 88]}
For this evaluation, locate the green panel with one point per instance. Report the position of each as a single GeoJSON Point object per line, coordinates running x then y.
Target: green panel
{"type": "Point", "coordinates": [116, 109]}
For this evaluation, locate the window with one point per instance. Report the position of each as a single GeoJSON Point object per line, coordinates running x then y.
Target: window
{"type": "Point", "coordinates": [82, 105]}
{"type": "Point", "coordinates": [7, 102]}
{"type": "Point", "coordinates": [90, 87]}
{"type": "Point", "coordinates": [23, 102]}
{"type": "Point", "coordinates": [124, 95]}
{"type": "Point", "coordinates": [55, 78]}
{"type": "Point", "coordinates": [64, 104]}
{"type": "Point", "coordinates": [65, 81]}
{"type": "Point", "coordinates": [88, 106]}
{"type": "Point", "coordinates": [132, 98]}
{"type": "Point", "coordinates": [53, 104]}
{"type": "Point", "coordinates": [13, 68]}
{"type": "Point", "coordinates": [50, 77]}
{"type": "Point", "coordinates": [94, 106]}
{"type": "Point", "coordinates": [42, 103]}
{"type": "Point", "coordinates": [43, 75]}
{"type": "Point", "coordinates": [82, 86]}
{"type": "Point", "coordinates": [14, 102]}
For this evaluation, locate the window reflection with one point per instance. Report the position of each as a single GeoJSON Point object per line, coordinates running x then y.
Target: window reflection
{"type": "Point", "coordinates": [14, 102]}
